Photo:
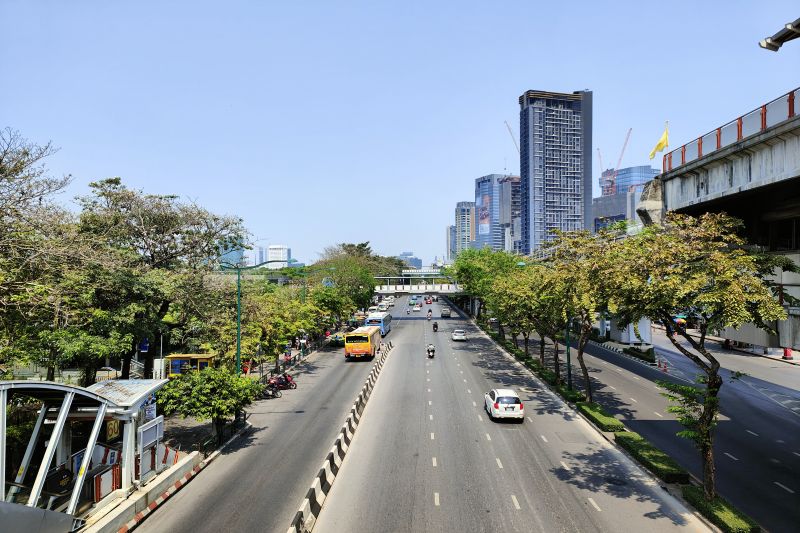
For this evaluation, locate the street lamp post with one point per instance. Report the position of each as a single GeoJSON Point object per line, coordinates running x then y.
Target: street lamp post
{"type": "Point", "coordinates": [239, 269]}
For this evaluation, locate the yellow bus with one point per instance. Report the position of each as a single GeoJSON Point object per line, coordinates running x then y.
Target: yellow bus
{"type": "Point", "coordinates": [362, 342]}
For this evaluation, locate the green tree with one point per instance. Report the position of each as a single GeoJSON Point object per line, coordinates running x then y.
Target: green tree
{"type": "Point", "coordinates": [214, 394]}
{"type": "Point", "coordinates": [476, 270]}
{"type": "Point", "coordinates": [696, 265]}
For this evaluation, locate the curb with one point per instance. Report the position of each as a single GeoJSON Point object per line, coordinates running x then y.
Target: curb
{"type": "Point", "coordinates": [309, 510]}
{"type": "Point", "coordinates": [178, 485]}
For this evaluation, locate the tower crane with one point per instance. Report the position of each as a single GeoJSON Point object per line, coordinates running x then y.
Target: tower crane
{"type": "Point", "coordinates": [611, 181]}
{"type": "Point", "coordinates": [510, 132]}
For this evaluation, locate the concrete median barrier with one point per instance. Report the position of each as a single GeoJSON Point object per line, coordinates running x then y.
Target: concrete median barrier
{"type": "Point", "coordinates": [309, 510]}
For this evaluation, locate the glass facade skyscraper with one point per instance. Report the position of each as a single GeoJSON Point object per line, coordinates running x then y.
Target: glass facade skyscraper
{"type": "Point", "coordinates": [465, 226]}
{"type": "Point", "coordinates": [496, 211]}
{"type": "Point", "coordinates": [626, 179]}
{"type": "Point", "coordinates": [555, 164]}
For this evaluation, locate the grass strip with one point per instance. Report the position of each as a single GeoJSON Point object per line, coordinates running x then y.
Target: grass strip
{"type": "Point", "coordinates": [720, 512]}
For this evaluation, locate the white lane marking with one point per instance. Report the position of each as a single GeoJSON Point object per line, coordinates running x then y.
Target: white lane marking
{"type": "Point", "coordinates": [469, 391]}
{"type": "Point", "coordinates": [516, 503]}
{"type": "Point", "coordinates": [618, 370]}
{"type": "Point", "coordinates": [729, 455]}
{"type": "Point", "coordinates": [480, 418]}
{"type": "Point", "coordinates": [594, 504]}
{"type": "Point", "coordinates": [612, 387]}
{"type": "Point", "coordinates": [543, 438]}
{"type": "Point", "coordinates": [780, 441]}
{"type": "Point", "coordinates": [784, 487]}
{"type": "Point", "coordinates": [436, 499]}
{"type": "Point", "coordinates": [474, 404]}
{"type": "Point", "coordinates": [428, 371]}
{"type": "Point", "coordinates": [432, 436]}
{"type": "Point", "coordinates": [636, 377]}
{"type": "Point", "coordinates": [797, 454]}
{"type": "Point", "coordinates": [634, 400]}
{"type": "Point", "coordinates": [429, 390]}
{"type": "Point", "coordinates": [429, 379]}
{"type": "Point", "coordinates": [465, 381]}
{"type": "Point", "coordinates": [752, 432]}
{"type": "Point", "coordinates": [564, 465]}
{"type": "Point", "coordinates": [658, 414]}
{"type": "Point", "coordinates": [462, 371]}
{"type": "Point", "coordinates": [499, 464]}
{"type": "Point", "coordinates": [430, 402]}
{"type": "Point", "coordinates": [488, 437]}
{"type": "Point", "coordinates": [529, 419]}
{"type": "Point", "coordinates": [434, 462]}
{"type": "Point", "coordinates": [430, 417]}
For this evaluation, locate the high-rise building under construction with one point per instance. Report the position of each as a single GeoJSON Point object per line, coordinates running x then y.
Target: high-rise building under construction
{"type": "Point", "coordinates": [555, 164]}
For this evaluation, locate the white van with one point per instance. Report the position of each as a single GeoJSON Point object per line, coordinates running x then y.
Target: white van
{"type": "Point", "coordinates": [373, 309]}
{"type": "Point", "coordinates": [382, 307]}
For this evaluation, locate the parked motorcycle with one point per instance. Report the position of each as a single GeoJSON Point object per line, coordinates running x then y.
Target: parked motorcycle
{"type": "Point", "coordinates": [271, 390]}
{"type": "Point", "coordinates": [283, 381]}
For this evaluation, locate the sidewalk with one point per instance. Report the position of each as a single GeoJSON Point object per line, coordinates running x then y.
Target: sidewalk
{"type": "Point", "coordinates": [752, 351]}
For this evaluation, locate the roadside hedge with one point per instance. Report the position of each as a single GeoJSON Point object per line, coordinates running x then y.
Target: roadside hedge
{"type": "Point", "coordinates": [599, 417]}
{"type": "Point", "coordinates": [720, 512]}
{"type": "Point", "coordinates": [658, 462]}
{"type": "Point", "coordinates": [573, 395]}
{"type": "Point", "coordinates": [648, 355]}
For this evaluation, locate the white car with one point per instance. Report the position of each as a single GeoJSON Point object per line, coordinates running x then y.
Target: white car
{"type": "Point", "coordinates": [417, 307]}
{"type": "Point", "coordinates": [504, 403]}
{"type": "Point", "coordinates": [459, 335]}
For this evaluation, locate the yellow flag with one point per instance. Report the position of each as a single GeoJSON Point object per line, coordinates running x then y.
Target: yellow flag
{"type": "Point", "coordinates": [662, 143]}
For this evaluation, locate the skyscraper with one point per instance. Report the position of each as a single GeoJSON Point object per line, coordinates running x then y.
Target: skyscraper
{"type": "Point", "coordinates": [465, 226]}
{"type": "Point", "coordinates": [451, 244]}
{"type": "Point", "coordinates": [278, 252]}
{"type": "Point", "coordinates": [555, 163]}
{"type": "Point", "coordinates": [496, 207]}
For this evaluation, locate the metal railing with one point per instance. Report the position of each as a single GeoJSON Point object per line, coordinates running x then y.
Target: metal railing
{"type": "Point", "coordinates": [756, 121]}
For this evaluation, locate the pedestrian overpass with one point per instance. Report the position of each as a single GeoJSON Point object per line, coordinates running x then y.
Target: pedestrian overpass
{"type": "Point", "coordinates": [418, 281]}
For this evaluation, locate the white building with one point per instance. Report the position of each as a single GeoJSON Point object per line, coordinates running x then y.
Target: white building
{"type": "Point", "coordinates": [278, 252]}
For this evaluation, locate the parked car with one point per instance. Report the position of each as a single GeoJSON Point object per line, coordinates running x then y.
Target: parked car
{"type": "Point", "coordinates": [504, 403]}
{"type": "Point", "coordinates": [445, 313]}
{"type": "Point", "coordinates": [459, 335]}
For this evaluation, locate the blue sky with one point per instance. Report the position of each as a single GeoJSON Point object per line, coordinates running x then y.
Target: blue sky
{"type": "Point", "coordinates": [320, 122]}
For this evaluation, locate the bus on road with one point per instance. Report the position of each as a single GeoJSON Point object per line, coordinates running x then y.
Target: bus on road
{"type": "Point", "coordinates": [362, 342]}
{"type": "Point", "coordinates": [382, 320]}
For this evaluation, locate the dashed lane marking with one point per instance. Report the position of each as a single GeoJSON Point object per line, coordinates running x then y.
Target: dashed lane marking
{"type": "Point", "coordinates": [658, 414]}
{"type": "Point", "coordinates": [499, 464]}
{"type": "Point", "coordinates": [430, 417]}
{"type": "Point", "coordinates": [430, 402]}
{"type": "Point", "coordinates": [731, 456]}
{"type": "Point", "coordinates": [752, 432]}
{"type": "Point", "coordinates": [429, 390]}
{"type": "Point", "coordinates": [429, 379]}
{"type": "Point", "coordinates": [797, 454]}
{"type": "Point", "coordinates": [564, 465]}
{"type": "Point", "coordinates": [516, 503]}
{"type": "Point", "coordinates": [543, 438]}
{"type": "Point", "coordinates": [432, 436]}
{"type": "Point", "coordinates": [428, 371]}
{"type": "Point", "coordinates": [434, 462]}
{"type": "Point", "coordinates": [480, 418]}
{"type": "Point", "coordinates": [634, 400]}
{"type": "Point", "coordinates": [465, 381]}
{"type": "Point", "coordinates": [469, 391]}
{"type": "Point", "coordinates": [488, 437]}
{"type": "Point", "coordinates": [529, 419]}
{"type": "Point", "coordinates": [594, 504]}
{"type": "Point", "coordinates": [784, 487]}
{"type": "Point", "coordinates": [474, 404]}
{"type": "Point", "coordinates": [612, 387]}
{"type": "Point", "coordinates": [436, 499]}
{"type": "Point", "coordinates": [636, 377]}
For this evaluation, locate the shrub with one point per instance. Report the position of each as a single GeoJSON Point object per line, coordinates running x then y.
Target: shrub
{"type": "Point", "coordinates": [599, 417]}
{"type": "Point", "coordinates": [573, 395]}
{"type": "Point", "coordinates": [720, 512]}
{"type": "Point", "coordinates": [548, 375]}
{"type": "Point", "coordinates": [658, 462]}
{"type": "Point", "coordinates": [647, 355]}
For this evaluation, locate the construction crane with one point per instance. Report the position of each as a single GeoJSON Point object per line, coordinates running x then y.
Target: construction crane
{"type": "Point", "coordinates": [510, 132]}
{"type": "Point", "coordinates": [609, 184]}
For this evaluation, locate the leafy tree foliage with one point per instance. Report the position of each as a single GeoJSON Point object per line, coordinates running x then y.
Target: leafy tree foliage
{"type": "Point", "coordinates": [214, 394]}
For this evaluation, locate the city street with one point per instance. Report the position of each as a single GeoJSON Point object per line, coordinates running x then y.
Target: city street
{"type": "Point", "coordinates": [427, 458]}
{"type": "Point", "coordinates": [757, 445]}
{"type": "Point", "coordinates": [258, 482]}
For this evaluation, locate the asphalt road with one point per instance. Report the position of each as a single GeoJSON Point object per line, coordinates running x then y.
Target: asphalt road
{"type": "Point", "coordinates": [757, 440]}
{"type": "Point", "coordinates": [259, 481]}
{"type": "Point", "coordinates": [427, 458]}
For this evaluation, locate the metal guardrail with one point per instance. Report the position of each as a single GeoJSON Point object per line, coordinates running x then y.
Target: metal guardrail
{"type": "Point", "coordinates": [756, 121]}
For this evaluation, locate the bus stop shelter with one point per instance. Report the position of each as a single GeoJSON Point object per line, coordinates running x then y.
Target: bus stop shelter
{"type": "Point", "coordinates": [65, 449]}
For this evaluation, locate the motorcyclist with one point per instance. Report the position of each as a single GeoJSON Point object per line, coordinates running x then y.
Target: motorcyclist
{"type": "Point", "coordinates": [435, 326]}
{"type": "Point", "coordinates": [431, 350]}
{"type": "Point", "coordinates": [408, 311]}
